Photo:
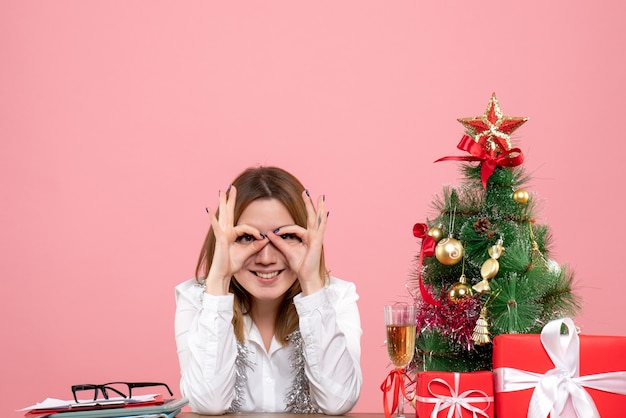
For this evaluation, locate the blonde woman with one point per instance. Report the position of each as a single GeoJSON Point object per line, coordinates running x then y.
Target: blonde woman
{"type": "Point", "coordinates": [263, 327]}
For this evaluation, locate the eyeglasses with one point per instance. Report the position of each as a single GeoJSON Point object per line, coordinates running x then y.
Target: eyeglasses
{"type": "Point", "coordinates": [89, 392]}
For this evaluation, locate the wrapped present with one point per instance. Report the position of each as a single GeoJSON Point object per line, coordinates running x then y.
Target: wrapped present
{"type": "Point", "coordinates": [458, 395]}
{"type": "Point", "coordinates": [559, 375]}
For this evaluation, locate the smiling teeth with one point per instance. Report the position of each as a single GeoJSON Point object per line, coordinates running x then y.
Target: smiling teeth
{"type": "Point", "coordinates": [267, 275]}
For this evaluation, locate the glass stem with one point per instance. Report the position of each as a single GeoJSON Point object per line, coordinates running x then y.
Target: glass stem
{"type": "Point", "coordinates": [401, 401]}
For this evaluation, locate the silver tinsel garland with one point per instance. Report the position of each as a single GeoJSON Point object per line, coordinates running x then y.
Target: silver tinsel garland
{"type": "Point", "coordinates": [241, 377]}
{"type": "Point", "coordinates": [298, 398]}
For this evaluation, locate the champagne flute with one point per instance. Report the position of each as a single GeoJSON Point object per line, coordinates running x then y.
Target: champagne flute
{"type": "Point", "coordinates": [400, 322]}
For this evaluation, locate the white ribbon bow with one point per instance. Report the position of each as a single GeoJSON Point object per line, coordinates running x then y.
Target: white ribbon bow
{"type": "Point", "coordinates": [456, 402]}
{"type": "Point", "coordinates": [556, 386]}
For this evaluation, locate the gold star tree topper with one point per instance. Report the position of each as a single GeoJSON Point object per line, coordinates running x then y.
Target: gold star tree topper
{"type": "Point", "coordinates": [492, 130]}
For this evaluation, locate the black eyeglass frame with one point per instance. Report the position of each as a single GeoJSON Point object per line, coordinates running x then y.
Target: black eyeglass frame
{"type": "Point", "coordinates": [105, 387]}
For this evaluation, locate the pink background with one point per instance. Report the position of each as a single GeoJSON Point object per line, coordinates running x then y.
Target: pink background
{"type": "Point", "coordinates": [121, 120]}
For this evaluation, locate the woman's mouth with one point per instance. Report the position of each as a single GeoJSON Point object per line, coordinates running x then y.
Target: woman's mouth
{"type": "Point", "coordinates": [267, 276]}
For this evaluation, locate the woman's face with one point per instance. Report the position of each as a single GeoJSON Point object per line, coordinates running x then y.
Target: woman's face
{"type": "Point", "coordinates": [266, 275]}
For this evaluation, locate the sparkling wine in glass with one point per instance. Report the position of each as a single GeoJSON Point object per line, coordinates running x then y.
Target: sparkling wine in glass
{"type": "Point", "coordinates": [400, 323]}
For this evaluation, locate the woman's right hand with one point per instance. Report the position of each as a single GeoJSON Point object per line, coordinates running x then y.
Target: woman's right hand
{"type": "Point", "coordinates": [229, 255]}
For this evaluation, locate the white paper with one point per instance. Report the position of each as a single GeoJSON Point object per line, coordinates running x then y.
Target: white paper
{"type": "Point", "coordinates": [52, 403]}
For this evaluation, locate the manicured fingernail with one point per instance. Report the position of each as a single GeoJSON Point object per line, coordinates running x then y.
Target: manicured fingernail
{"type": "Point", "coordinates": [262, 236]}
{"type": "Point", "coordinates": [307, 192]}
{"type": "Point", "coordinates": [327, 214]}
{"type": "Point", "coordinates": [276, 230]}
{"type": "Point", "coordinates": [207, 210]}
{"type": "Point", "coordinates": [229, 187]}
{"type": "Point", "coordinates": [323, 198]}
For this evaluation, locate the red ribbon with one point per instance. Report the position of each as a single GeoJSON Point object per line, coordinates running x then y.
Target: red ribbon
{"type": "Point", "coordinates": [428, 250]}
{"type": "Point", "coordinates": [489, 160]}
{"type": "Point", "coordinates": [394, 381]}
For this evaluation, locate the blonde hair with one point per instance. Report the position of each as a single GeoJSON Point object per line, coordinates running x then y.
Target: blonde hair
{"type": "Point", "coordinates": [252, 184]}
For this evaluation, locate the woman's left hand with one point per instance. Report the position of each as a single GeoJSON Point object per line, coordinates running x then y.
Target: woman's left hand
{"type": "Point", "coordinates": [304, 251]}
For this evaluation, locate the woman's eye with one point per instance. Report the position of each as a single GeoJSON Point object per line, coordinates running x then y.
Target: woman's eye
{"type": "Point", "coordinates": [291, 237]}
{"type": "Point", "coordinates": [245, 239]}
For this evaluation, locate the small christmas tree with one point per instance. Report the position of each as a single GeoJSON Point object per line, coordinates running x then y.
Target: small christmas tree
{"type": "Point", "coordinates": [484, 265]}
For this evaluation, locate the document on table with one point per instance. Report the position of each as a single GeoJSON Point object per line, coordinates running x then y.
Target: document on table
{"type": "Point", "coordinates": [52, 403]}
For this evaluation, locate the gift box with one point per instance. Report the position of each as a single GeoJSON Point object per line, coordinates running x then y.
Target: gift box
{"type": "Point", "coordinates": [449, 394]}
{"type": "Point", "coordinates": [556, 374]}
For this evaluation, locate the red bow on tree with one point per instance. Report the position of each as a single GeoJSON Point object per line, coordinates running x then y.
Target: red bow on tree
{"type": "Point", "coordinates": [428, 250]}
{"type": "Point", "coordinates": [489, 160]}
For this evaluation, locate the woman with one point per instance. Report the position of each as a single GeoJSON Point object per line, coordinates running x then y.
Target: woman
{"type": "Point", "coordinates": [263, 327]}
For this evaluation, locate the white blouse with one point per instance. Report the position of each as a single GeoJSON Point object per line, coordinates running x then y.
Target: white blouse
{"type": "Point", "coordinates": [207, 348]}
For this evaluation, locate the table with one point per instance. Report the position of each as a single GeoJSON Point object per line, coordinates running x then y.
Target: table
{"type": "Point", "coordinates": [285, 415]}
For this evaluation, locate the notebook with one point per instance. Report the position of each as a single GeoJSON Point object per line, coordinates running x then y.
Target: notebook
{"type": "Point", "coordinates": [170, 408]}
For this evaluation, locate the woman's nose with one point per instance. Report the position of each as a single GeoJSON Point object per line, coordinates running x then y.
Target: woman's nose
{"type": "Point", "coordinates": [267, 254]}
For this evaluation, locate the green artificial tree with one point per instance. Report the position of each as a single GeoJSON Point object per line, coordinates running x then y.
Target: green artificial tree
{"type": "Point", "coordinates": [484, 265]}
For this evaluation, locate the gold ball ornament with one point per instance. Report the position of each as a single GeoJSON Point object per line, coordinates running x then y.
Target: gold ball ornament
{"type": "Point", "coordinates": [460, 290]}
{"type": "Point", "coordinates": [435, 233]}
{"type": "Point", "coordinates": [521, 196]}
{"type": "Point", "coordinates": [449, 251]}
